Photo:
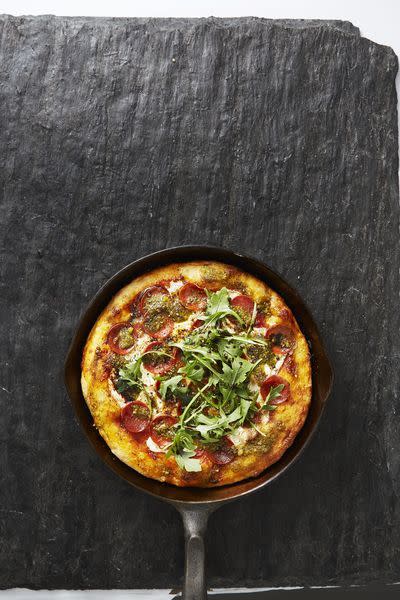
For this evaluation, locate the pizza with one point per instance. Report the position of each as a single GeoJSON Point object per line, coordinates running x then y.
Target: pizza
{"type": "Point", "coordinates": [197, 374]}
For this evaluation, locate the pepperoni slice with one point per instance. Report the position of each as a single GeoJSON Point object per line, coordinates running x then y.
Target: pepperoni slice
{"type": "Point", "coordinates": [222, 456]}
{"type": "Point", "coordinates": [157, 326]}
{"type": "Point", "coordinates": [244, 304]}
{"type": "Point", "coordinates": [202, 454]}
{"type": "Point", "coordinates": [282, 338]}
{"type": "Point", "coordinates": [159, 364]}
{"type": "Point", "coordinates": [135, 417]}
{"type": "Point", "coordinates": [274, 381]}
{"type": "Point", "coordinates": [120, 338]}
{"type": "Point", "coordinates": [137, 328]}
{"type": "Point", "coordinates": [161, 430]}
{"type": "Point", "coordinates": [153, 299]}
{"type": "Point", "coordinates": [197, 323]}
{"type": "Point", "coordinates": [260, 320]}
{"type": "Point", "coordinates": [192, 296]}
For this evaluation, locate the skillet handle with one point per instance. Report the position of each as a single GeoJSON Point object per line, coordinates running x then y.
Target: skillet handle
{"type": "Point", "coordinates": [195, 525]}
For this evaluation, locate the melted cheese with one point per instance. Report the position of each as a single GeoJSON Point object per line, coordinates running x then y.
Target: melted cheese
{"type": "Point", "coordinates": [147, 377]}
{"type": "Point", "coordinates": [174, 286]}
{"type": "Point", "coordinates": [116, 395]}
{"type": "Point", "coordinates": [150, 443]}
{"type": "Point", "coordinates": [242, 435]}
{"type": "Point", "coordinates": [260, 331]}
{"type": "Point", "coordinates": [141, 344]}
{"type": "Point", "coordinates": [188, 324]}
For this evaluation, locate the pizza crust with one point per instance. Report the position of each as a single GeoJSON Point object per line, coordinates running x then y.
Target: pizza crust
{"type": "Point", "coordinates": [256, 455]}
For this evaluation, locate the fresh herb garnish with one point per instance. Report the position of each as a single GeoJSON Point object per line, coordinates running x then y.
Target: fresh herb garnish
{"type": "Point", "coordinates": [183, 448]}
{"type": "Point", "coordinates": [218, 307]}
{"type": "Point", "coordinates": [213, 380]}
{"type": "Point", "coordinates": [129, 375]}
{"type": "Point", "coordinates": [170, 385]}
{"type": "Point", "coordinates": [273, 393]}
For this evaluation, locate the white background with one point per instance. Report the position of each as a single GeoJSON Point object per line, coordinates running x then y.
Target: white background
{"type": "Point", "coordinates": [378, 20]}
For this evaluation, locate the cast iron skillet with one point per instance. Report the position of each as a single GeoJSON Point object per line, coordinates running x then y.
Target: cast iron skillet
{"type": "Point", "coordinates": [195, 504]}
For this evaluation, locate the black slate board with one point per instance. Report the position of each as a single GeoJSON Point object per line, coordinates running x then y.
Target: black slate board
{"type": "Point", "coordinates": [122, 136]}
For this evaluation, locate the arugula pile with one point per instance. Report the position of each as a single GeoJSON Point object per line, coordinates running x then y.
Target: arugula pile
{"type": "Point", "coordinates": [212, 384]}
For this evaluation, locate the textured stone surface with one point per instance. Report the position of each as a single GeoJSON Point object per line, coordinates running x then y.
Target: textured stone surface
{"type": "Point", "coordinates": [120, 137]}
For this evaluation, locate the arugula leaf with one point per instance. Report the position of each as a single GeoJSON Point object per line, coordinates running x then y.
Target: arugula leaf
{"type": "Point", "coordinates": [218, 307]}
{"type": "Point", "coordinates": [273, 393]}
{"type": "Point", "coordinates": [253, 318]}
{"type": "Point", "coordinates": [182, 439]}
{"type": "Point", "coordinates": [235, 415]}
{"type": "Point", "coordinates": [228, 349]}
{"type": "Point", "coordinates": [244, 339]}
{"type": "Point", "coordinates": [213, 357]}
{"type": "Point", "coordinates": [237, 373]}
{"type": "Point", "coordinates": [245, 406]}
{"type": "Point", "coordinates": [183, 449]}
{"type": "Point", "coordinates": [171, 385]}
{"type": "Point", "coordinates": [192, 370]}
{"type": "Point", "coordinates": [186, 461]}
{"type": "Point", "coordinates": [219, 424]}
{"type": "Point", "coordinates": [129, 374]}
{"type": "Point", "coordinates": [217, 302]}
{"type": "Point", "coordinates": [242, 368]}
{"type": "Point", "coordinates": [243, 392]}
{"type": "Point", "coordinates": [191, 403]}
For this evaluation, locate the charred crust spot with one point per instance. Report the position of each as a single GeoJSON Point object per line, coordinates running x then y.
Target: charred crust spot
{"type": "Point", "coordinates": [215, 474]}
{"type": "Point", "coordinates": [105, 372]}
{"type": "Point", "coordinates": [115, 361]}
{"type": "Point", "coordinates": [265, 306]}
{"type": "Point", "coordinates": [233, 271]}
{"type": "Point", "coordinates": [100, 365]}
{"type": "Point", "coordinates": [189, 477]}
{"type": "Point", "coordinates": [238, 285]}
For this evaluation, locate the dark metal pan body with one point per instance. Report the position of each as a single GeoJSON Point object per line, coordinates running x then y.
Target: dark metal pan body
{"type": "Point", "coordinates": [196, 504]}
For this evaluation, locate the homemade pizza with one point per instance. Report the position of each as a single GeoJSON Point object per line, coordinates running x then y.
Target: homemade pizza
{"type": "Point", "coordinates": [197, 374]}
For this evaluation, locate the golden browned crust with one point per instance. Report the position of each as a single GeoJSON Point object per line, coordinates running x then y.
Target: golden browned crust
{"type": "Point", "coordinates": [287, 419]}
